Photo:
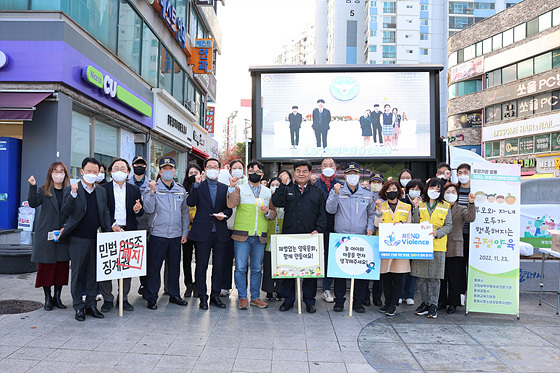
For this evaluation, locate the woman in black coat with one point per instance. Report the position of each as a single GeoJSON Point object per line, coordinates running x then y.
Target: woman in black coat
{"type": "Point", "coordinates": [52, 257]}
{"type": "Point", "coordinates": [365, 123]}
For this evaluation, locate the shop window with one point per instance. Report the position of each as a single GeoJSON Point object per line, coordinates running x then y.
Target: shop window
{"type": "Point", "coordinates": [496, 42]}
{"type": "Point", "coordinates": [543, 62]}
{"type": "Point", "coordinates": [470, 52]}
{"type": "Point", "coordinates": [509, 110]}
{"type": "Point", "coordinates": [533, 27]}
{"type": "Point", "coordinates": [487, 45]}
{"type": "Point", "coordinates": [542, 103]}
{"type": "Point", "coordinates": [106, 145]}
{"type": "Point", "coordinates": [130, 27]}
{"type": "Point", "coordinates": [555, 58]}
{"type": "Point", "coordinates": [555, 104]}
{"type": "Point", "coordinates": [182, 9]}
{"type": "Point", "coordinates": [492, 149]}
{"type": "Point", "coordinates": [527, 145]}
{"type": "Point", "coordinates": [478, 48]}
{"type": "Point", "coordinates": [525, 68]}
{"type": "Point", "coordinates": [493, 78]}
{"type": "Point", "coordinates": [157, 151]}
{"type": "Point", "coordinates": [542, 143]}
{"type": "Point", "coordinates": [79, 146]}
{"type": "Point", "coordinates": [507, 37]}
{"type": "Point", "coordinates": [509, 74]}
{"type": "Point", "coordinates": [545, 21]}
{"type": "Point", "coordinates": [556, 17]}
{"type": "Point", "coordinates": [165, 70]}
{"type": "Point", "coordinates": [519, 32]}
{"type": "Point", "coordinates": [511, 147]}
{"type": "Point", "coordinates": [189, 88]}
{"type": "Point", "coordinates": [150, 47]}
{"type": "Point", "coordinates": [193, 25]}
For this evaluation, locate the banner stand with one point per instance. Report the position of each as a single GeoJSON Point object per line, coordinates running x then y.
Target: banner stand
{"type": "Point", "coordinates": [298, 280]}
{"type": "Point", "coordinates": [121, 296]}
{"type": "Point", "coordinates": [351, 297]}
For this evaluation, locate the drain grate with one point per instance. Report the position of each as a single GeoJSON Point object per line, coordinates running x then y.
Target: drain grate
{"type": "Point", "coordinates": [12, 306]}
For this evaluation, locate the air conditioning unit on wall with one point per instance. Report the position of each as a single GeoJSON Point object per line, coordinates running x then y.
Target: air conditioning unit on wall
{"type": "Point", "coordinates": [191, 106]}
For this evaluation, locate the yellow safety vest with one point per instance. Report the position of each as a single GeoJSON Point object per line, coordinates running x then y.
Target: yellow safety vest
{"type": "Point", "coordinates": [401, 212]}
{"type": "Point", "coordinates": [438, 220]}
{"type": "Point", "coordinates": [249, 219]}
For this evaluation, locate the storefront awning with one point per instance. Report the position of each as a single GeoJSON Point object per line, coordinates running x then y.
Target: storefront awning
{"type": "Point", "coordinates": [20, 105]}
{"type": "Point", "coordinates": [200, 153]}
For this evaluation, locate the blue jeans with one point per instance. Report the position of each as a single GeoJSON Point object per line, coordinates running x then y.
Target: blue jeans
{"type": "Point", "coordinates": [251, 248]}
{"type": "Point", "coordinates": [409, 285]}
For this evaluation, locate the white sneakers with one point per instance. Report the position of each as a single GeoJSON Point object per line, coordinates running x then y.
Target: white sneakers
{"type": "Point", "coordinates": [410, 301]}
{"type": "Point", "coordinates": [327, 296]}
{"type": "Point", "coordinates": [462, 299]}
{"type": "Point", "coordinates": [400, 300]}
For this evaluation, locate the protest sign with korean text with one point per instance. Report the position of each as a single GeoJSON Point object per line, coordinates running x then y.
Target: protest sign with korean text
{"type": "Point", "coordinates": [121, 255]}
{"type": "Point", "coordinates": [493, 283]}
{"type": "Point", "coordinates": [406, 241]}
{"type": "Point", "coordinates": [297, 255]}
{"type": "Point", "coordinates": [353, 256]}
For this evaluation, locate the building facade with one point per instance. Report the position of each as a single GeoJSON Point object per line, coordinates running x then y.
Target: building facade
{"type": "Point", "coordinates": [504, 86]}
{"type": "Point", "coordinates": [299, 51]}
{"type": "Point", "coordinates": [105, 79]}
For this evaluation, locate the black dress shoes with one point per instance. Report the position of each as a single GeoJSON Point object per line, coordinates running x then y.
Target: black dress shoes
{"type": "Point", "coordinates": [80, 316]}
{"type": "Point", "coordinates": [338, 307]}
{"type": "Point", "coordinates": [359, 307]}
{"type": "Point", "coordinates": [93, 311]}
{"type": "Point", "coordinates": [106, 307]}
{"type": "Point", "coordinates": [451, 309]}
{"type": "Point", "coordinates": [216, 302]}
{"type": "Point", "coordinates": [311, 308]}
{"type": "Point", "coordinates": [203, 304]}
{"type": "Point", "coordinates": [367, 302]}
{"type": "Point", "coordinates": [178, 301]}
{"type": "Point", "coordinates": [286, 307]}
{"type": "Point", "coordinates": [152, 304]}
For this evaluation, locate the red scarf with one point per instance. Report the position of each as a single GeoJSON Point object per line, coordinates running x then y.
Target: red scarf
{"type": "Point", "coordinates": [327, 181]}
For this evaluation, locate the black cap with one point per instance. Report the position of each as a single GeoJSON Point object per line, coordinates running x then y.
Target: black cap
{"type": "Point", "coordinates": [139, 158]}
{"type": "Point", "coordinates": [352, 166]}
{"type": "Point", "coordinates": [377, 176]}
{"type": "Point", "coordinates": [165, 161]}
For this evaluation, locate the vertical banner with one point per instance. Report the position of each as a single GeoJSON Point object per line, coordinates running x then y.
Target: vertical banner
{"type": "Point", "coordinates": [121, 255]}
{"type": "Point", "coordinates": [297, 255]}
{"type": "Point", "coordinates": [406, 241]}
{"type": "Point", "coordinates": [209, 119]}
{"type": "Point", "coordinates": [493, 283]}
{"type": "Point", "coordinates": [353, 256]}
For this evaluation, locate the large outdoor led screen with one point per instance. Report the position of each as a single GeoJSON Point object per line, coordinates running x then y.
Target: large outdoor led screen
{"type": "Point", "coordinates": [403, 127]}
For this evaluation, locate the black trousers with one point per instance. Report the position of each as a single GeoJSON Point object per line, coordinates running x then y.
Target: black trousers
{"type": "Point", "coordinates": [308, 287]}
{"type": "Point", "coordinates": [269, 285]}
{"type": "Point", "coordinates": [450, 289]}
{"type": "Point", "coordinates": [392, 287]}
{"type": "Point", "coordinates": [227, 271]}
{"type": "Point", "coordinates": [294, 135]}
{"type": "Point", "coordinates": [203, 250]}
{"type": "Point", "coordinates": [321, 133]}
{"type": "Point", "coordinates": [160, 248]}
{"type": "Point", "coordinates": [376, 289]}
{"type": "Point", "coordinates": [189, 248]}
{"type": "Point", "coordinates": [360, 290]}
{"type": "Point", "coordinates": [378, 131]}
{"type": "Point", "coordinates": [463, 274]}
{"type": "Point", "coordinates": [83, 256]}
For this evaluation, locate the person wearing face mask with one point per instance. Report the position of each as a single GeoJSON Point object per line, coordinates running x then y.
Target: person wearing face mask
{"type": "Point", "coordinates": [443, 172]}
{"type": "Point", "coordinates": [376, 181]}
{"type": "Point", "coordinates": [101, 176]}
{"type": "Point", "coordinates": [286, 177]}
{"type": "Point", "coordinates": [326, 182]}
{"type": "Point", "coordinates": [450, 292]}
{"type": "Point", "coordinates": [85, 205]}
{"type": "Point", "coordinates": [124, 201]}
{"type": "Point", "coordinates": [253, 210]}
{"type": "Point", "coordinates": [404, 178]}
{"type": "Point", "coordinates": [237, 170]}
{"type": "Point", "coordinates": [413, 190]}
{"type": "Point", "coordinates": [210, 231]}
{"type": "Point", "coordinates": [354, 209]}
{"type": "Point", "coordinates": [169, 227]}
{"type": "Point", "coordinates": [435, 210]}
{"type": "Point", "coordinates": [464, 177]}
{"type": "Point", "coordinates": [269, 285]}
{"type": "Point", "coordinates": [392, 270]}
{"type": "Point", "coordinates": [52, 256]}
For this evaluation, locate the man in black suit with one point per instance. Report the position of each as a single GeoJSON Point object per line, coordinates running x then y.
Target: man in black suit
{"type": "Point", "coordinates": [375, 118]}
{"type": "Point", "coordinates": [209, 230]}
{"type": "Point", "coordinates": [85, 204]}
{"type": "Point", "coordinates": [124, 201]}
{"type": "Point", "coordinates": [321, 123]}
{"type": "Point", "coordinates": [295, 119]}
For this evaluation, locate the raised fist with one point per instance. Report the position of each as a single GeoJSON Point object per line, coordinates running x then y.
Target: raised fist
{"type": "Point", "coordinates": [336, 188]}
{"type": "Point", "coordinates": [152, 186]}
{"type": "Point", "coordinates": [378, 203]}
{"type": "Point", "coordinates": [75, 188]}
{"type": "Point", "coordinates": [471, 197]}
{"type": "Point", "coordinates": [32, 180]}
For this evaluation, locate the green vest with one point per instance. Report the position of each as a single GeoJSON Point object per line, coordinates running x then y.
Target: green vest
{"type": "Point", "coordinates": [249, 218]}
{"type": "Point", "coordinates": [275, 226]}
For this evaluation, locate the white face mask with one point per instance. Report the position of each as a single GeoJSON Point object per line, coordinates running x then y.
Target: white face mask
{"type": "Point", "coordinates": [352, 180]}
{"type": "Point", "coordinates": [119, 176]}
{"type": "Point", "coordinates": [90, 178]}
{"type": "Point", "coordinates": [328, 172]}
{"type": "Point", "coordinates": [450, 197]}
{"type": "Point", "coordinates": [404, 182]}
{"type": "Point", "coordinates": [273, 189]}
{"type": "Point", "coordinates": [433, 194]}
{"type": "Point", "coordinates": [100, 177]}
{"type": "Point", "coordinates": [413, 194]}
{"type": "Point", "coordinates": [442, 176]}
{"type": "Point", "coordinates": [58, 178]}
{"type": "Point", "coordinates": [463, 179]}
{"type": "Point", "coordinates": [212, 173]}
{"type": "Point", "coordinates": [236, 172]}
{"type": "Point", "coordinates": [376, 187]}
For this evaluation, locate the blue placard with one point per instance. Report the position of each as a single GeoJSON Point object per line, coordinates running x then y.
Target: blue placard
{"type": "Point", "coordinates": [353, 256]}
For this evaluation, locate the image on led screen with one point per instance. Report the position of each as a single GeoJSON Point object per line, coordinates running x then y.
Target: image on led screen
{"type": "Point", "coordinates": [348, 125]}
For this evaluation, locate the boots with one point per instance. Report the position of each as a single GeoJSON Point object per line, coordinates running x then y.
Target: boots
{"type": "Point", "coordinates": [56, 299]}
{"type": "Point", "coordinates": [48, 298]}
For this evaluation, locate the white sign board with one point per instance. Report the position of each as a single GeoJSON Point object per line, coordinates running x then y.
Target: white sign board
{"type": "Point", "coordinates": [121, 255]}
{"type": "Point", "coordinates": [297, 255]}
{"type": "Point", "coordinates": [406, 241]}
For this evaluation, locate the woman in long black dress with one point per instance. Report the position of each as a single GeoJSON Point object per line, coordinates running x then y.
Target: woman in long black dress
{"type": "Point", "coordinates": [52, 256]}
{"type": "Point", "coordinates": [365, 123]}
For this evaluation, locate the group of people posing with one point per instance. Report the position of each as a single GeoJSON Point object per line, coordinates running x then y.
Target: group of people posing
{"type": "Point", "coordinates": [234, 219]}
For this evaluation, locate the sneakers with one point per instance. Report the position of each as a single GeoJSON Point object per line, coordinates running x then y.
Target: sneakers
{"type": "Point", "coordinates": [384, 308]}
{"type": "Point", "coordinates": [225, 293]}
{"type": "Point", "coordinates": [422, 310]}
{"type": "Point", "coordinates": [327, 296]}
{"type": "Point", "coordinates": [391, 311]}
{"type": "Point", "coordinates": [400, 300]}
{"type": "Point", "coordinates": [99, 297]}
{"type": "Point", "coordinates": [269, 296]}
{"type": "Point", "coordinates": [258, 303]}
{"type": "Point", "coordinates": [462, 299]}
{"type": "Point", "coordinates": [410, 301]}
{"type": "Point", "coordinates": [432, 312]}
{"type": "Point", "coordinates": [243, 304]}
{"type": "Point", "coordinates": [338, 307]}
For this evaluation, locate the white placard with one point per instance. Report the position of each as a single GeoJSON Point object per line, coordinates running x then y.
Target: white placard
{"type": "Point", "coordinates": [121, 255]}
{"type": "Point", "coordinates": [297, 255]}
{"type": "Point", "coordinates": [406, 241]}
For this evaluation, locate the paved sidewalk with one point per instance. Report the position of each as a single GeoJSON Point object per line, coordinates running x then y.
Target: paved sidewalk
{"type": "Point", "coordinates": [185, 339]}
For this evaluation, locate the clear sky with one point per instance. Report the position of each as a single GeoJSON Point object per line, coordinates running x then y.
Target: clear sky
{"type": "Point", "coordinates": [253, 33]}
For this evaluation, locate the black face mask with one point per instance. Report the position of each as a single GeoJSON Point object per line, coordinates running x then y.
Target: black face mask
{"type": "Point", "coordinates": [139, 170]}
{"type": "Point", "coordinates": [392, 195]}
{"type": "Point", "coordinates": [192, 179]}
{"type": "Point", "coordinates": [255, 178]}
